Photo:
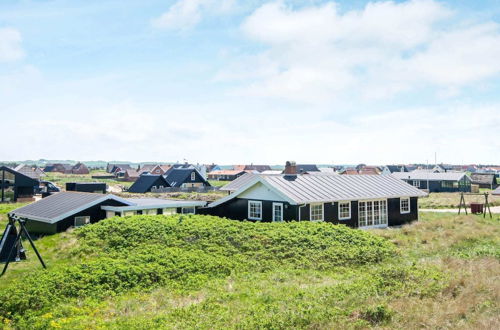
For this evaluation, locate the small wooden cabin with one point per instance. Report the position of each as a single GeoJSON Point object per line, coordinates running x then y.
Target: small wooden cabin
{"type": "Point", "coordinates": [362, 201]}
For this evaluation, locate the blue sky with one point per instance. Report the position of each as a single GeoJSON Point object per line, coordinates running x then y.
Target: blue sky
{"type": "Point", "coordinates": [232, 81]}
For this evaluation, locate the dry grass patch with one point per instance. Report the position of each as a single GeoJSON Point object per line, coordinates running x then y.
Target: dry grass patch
{"type": "Point", "coordinates": [452, 200]}
{"type": "Point", "coordinates": [471, 300]}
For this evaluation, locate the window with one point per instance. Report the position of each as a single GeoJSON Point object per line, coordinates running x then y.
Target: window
{"type": "Point", "coordinates": [372, 213]}
{"type": "Point", "coordinates": [278, 212]}
{"type": "Point", "coordinates": [316, 212]}
{"type": "Point", "coordinates": [416, 183]}
{"type": "Point", "coordinates": [447, 184]}
{"type": "Point", "coordinates": [82, 221]}
{"type": "Point", "coordinates": [404, 205]}
{"type": "Point", "coordinates": [188, 210]}
{"type": "Point", "coordinates": [149, 212]}
{"type": "Point", "coordinates": [110, 214]}
{"type": "Point", "coordinates": [128, 213]}
{"type": "Point", "coordinates": [193, 176]}
{"type": "Point", "coordinates": [254, 210]}
{"type": "Point", "coordinates": [344, 210]}
{"type": "Point", "coordinates": [169, 211]}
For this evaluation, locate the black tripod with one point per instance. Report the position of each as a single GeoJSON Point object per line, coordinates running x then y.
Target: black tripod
{"type": "Point", "coordinates": [16, 245]}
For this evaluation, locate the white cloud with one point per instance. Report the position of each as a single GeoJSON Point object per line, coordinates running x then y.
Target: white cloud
{"type": "Point", "coordinates": [185, 14]}
{"type": "Point", "coordinates": [141, 132]}
{"type": "Point", "coordinates": [10, 45]}
{"type": "Point", "coordinates": [316, 53]}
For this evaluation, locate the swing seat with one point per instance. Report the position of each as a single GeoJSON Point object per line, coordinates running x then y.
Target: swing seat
{"type": "Point", "coordinates": [476, 208]}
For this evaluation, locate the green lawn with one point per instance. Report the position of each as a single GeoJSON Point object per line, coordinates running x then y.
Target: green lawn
{"type": "Point", "coordinates": [216, 183]}
{"type": "Point", "coordinates": [61, 179]}
{"type": "Point", "coordinates": [203, 272]}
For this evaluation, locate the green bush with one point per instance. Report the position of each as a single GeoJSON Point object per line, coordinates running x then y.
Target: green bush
{"type": "Point", "coordinates": [119, 255]}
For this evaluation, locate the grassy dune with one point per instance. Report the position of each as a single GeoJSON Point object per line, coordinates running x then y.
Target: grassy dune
{"type": "Point", "coordinates": [452, 200]}
{"type": "Point", "coordinates": [204, 272]}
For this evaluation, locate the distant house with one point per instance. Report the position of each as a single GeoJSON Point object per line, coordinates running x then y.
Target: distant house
{"type": "Point", "coordinates": [63, 210]}
{"type": "Point", "coordinates": [225, 175]}
{"type": "Point", "coordinates": [59, 167]}
{"type": "Point", "coordinates": [438, 182]}
{"type": "Point", "coordinates": [185, 178]}
{"type": "Point", "coordinates": [364, 170]}
{"type": "Point", "coordinates": [240, 182]}
{"type": "Point", "coordinates": [158, 169]}
{"type": "Point", "coordinates": [80, 168]}
{"type": "Point", "coordinates": [484, 180]}
{"type": "Point", "coordinates": [147, 182]}
{"type": "Point", "coordinates": [112, 168]}
{"type": "Point", "coordinates": [131, 175]}
{"type": "Point", "coordinates": [330, 170]}
{"type": "Point", "coordinates": [212, 167]}
{"type": "Point", "coordinates": [16, 186]}
{"type": "Point", "coordinates": [388, 169]}
{"type": "Point", "coordinates": [28, 171]}
{"type": "Point", "coordinates": [361, 201]}
{"type": "Point", "coordinates": [305, 168]}
{"type": "Point", "coordinates": [258, 168]}
{"type": "Point", "coordinates": [496, 192]}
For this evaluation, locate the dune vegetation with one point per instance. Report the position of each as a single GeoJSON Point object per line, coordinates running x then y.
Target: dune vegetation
{"type": "Point", "coordinates": [205, 272]}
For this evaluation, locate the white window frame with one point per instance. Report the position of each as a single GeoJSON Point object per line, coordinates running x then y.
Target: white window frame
{"type": "Point", "coordinates": [339, 210]}
{"type": "Point", "coordinates": [382, 221]}
{"type": "Point", "coordinates": [401, 205]}
{"type": "Point", "coordinates": [282, 212]}
{"type": "Point", "coordinates": [169, 211]}
{"type": "Point", "coordinates": [311, 212]}
{"type": "Point", "coordinates": [416, 183]}
{"type": "Point", "coordinates": [249, 210]}
{"type": "Point", "coordinates": [193, 176]}
{"type": "Point", "coordinates": [86, 220]}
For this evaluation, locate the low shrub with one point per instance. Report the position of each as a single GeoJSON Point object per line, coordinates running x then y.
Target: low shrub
{"type": "Point", "coordinates": [183, 252]}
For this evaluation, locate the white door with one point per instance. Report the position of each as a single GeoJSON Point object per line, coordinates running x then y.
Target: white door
{"type": "Point", "coordinates": [278, 212]}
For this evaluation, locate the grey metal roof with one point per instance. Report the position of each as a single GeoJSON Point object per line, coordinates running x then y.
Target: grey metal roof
{"type": "Point", "coordinates": [61, 205]}
{"type": "Point", "coordinates": [418, 175]}
{"type": "Point", "coordinates": [484, 178]}
{"type": "Point", "coordinates": [153, 203]}
{"type": "Point", "coordinates": [239, 182]}
{"type": "Point", "coordinates": [496, 191]}
{"type": "Point", "coordinates": [305, 188]}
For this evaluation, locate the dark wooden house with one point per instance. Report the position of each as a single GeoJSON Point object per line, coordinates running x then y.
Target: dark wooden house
{"type": "Point", "coordinates": [225, 175]}
{"type": "Point", "coordinates": [147, 182]}
{"type": "Point", "coordinates": [363, 201]}
{"type": "Point", "coordinates": [436, 182]}
{"type": "Point", "coordinates": [15, 186]}
{"type": "Point", "coordinates": [59, 167]}
{"type": "Point", "coordinates": [185, 178]}
{"type": "Point", "coordinates": [484, 180]}
{"type": "Point", "coordinates": [91, 187]}
{"type": "Point", "coordinates": [80, 168]}
{"type": "Point", "coordinates": [60, 211]}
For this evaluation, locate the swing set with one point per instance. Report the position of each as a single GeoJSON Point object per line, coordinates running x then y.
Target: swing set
{"type": "Point", "coordinates": [475, 210]}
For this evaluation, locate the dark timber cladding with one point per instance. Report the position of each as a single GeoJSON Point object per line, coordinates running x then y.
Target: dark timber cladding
{"type": "Point", "coordinates": [14, 185]}
{"type": "Point", "coordinates": [356, 201]}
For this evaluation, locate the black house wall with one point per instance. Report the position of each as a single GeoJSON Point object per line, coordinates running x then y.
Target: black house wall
{"type": "Point", "coordinates": [237, 209]}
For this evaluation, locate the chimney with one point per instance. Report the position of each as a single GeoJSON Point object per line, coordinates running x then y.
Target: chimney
{"type": "Point", "coordinates": [290, 168]}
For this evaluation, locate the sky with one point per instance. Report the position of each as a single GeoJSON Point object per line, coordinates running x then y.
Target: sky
{"type": "Point", "coordinates": [229, 81]}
